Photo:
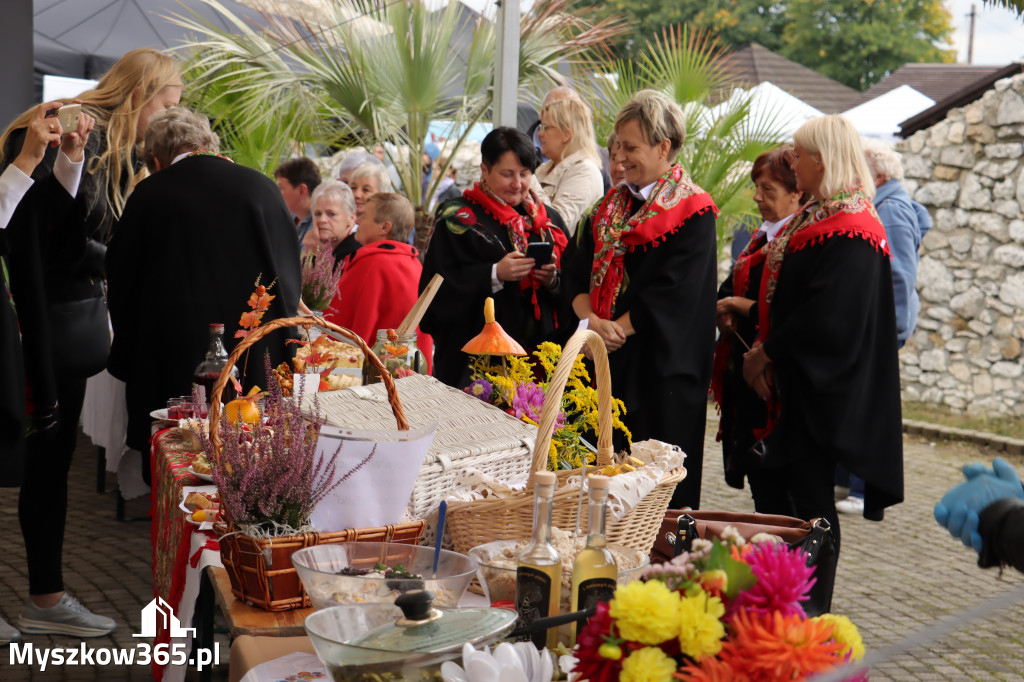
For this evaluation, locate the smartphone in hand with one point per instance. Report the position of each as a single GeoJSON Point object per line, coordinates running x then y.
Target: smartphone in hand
{"type": "Point", "coordinates": [540, 252]}
{"type": "Point", "coordinates": [67, 116]}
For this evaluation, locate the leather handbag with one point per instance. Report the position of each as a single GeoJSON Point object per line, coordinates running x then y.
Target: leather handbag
{"type": "Point", "coordinates": [80, 336]}
{"type": "Point", "coordinates": [682, 526]}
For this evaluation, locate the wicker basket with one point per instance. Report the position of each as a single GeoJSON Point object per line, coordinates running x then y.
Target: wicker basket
{"type": "Point", "coordinates": [472, 523]}
{"type": "Point", "coordinates": [471, 434]}
{"type": "Point", "coordinates": [261, 570]}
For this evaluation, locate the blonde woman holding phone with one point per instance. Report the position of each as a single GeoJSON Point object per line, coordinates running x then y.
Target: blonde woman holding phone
{"type": "Point", "coordinates": [57, 278]}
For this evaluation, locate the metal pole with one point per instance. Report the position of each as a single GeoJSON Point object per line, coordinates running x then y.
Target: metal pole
{"type": "Point", "coordinates": [506, 67]}
{"type": "Point", "coordinates": [970, 38]}
{"type": "Point", "coordinates": [17, 56]}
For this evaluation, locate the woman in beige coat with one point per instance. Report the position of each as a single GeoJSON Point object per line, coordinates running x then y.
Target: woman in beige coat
{"type": "Point", "coordinates": [571, 179]}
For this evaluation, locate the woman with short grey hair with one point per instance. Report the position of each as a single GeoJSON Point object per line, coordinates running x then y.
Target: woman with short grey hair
{"type": "Point", "coordinates": [334, 211]}
{"type": "Point", "coordinates": [653, 305]}
{"type": "Point", "coordinates": [175, 131]}
{"type": "Point", "coordinates": [367, 180]}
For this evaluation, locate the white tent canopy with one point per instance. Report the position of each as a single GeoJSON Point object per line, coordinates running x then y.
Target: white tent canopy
{"type": "Point", "coordinates": [771, 105]}
{"type": "Point", "coordinates": [881, 116]}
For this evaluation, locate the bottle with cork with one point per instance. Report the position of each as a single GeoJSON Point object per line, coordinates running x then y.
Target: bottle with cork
{"type": "Point", "coordinates": [594, 572]}
{"type": "Point", "coordinates": [539, 570]}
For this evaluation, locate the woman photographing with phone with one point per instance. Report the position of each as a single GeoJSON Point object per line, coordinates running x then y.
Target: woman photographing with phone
{"type": "Point", "coordinates": [483, 244]}
{"type": "Point", "coordinates": [57, 280]}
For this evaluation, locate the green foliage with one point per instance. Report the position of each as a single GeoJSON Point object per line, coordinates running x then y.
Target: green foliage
{"type": "Point", "coordinates": [721, 142]}
{"type": "Point", "coordinates": [370, 70]}
{"type": "Point", "coordinates": [1012, 5]}
{"type": "Point", "coordinates": [856, 42]}
{"type": "Point", "coordinates": [734, 22]}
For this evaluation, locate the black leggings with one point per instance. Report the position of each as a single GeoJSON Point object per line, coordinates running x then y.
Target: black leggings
{"type": "Point", "coordinates": [43, 503]}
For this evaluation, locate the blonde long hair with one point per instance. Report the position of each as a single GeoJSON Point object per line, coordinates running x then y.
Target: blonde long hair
{"type": "Point", "coordinates": [838, 143]}
{"type": "Point", "coordinates": [145, 71]}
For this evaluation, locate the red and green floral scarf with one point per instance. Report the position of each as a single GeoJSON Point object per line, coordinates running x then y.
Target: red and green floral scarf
{"type": "Point", "coordinates": [673, 200]}
{"type": "Point", "coordinates": [519, 229]}
{"type": "Point", "coordinates": [849, 214]}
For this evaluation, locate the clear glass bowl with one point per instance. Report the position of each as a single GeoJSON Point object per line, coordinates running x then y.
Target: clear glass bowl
{"type": "Point", "coordinates": [497, 571]}
{"type": "Point", "coordinates": [341, 636]}
{"type": "Point", "coordinates": [320, 569]}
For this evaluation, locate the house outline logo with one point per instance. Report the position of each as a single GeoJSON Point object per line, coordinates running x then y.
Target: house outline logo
{"type": "Point", "coordinates": [156, 612]}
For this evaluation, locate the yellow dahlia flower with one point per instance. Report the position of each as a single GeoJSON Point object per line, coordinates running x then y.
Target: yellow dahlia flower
{"type": "Point", "coordinates": [649, 664]}
{"type": "Point", "coordinates": [700, 625]}
{"type": "Point", "coordinates": [846, 633]}
{"type": "Point", "coordinates": [647, 613]}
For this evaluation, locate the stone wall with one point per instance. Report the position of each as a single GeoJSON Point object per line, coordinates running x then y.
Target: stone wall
{"type": "Point", "coordinates": [966, 351]}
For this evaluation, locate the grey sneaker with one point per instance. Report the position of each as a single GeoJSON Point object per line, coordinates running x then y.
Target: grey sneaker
{"type": "Point", "coordinates": [66, 617]}
{"type": "Point", "coordinates": [8, 634]}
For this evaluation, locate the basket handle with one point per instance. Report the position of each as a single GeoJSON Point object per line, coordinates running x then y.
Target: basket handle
{"type": "Point", "coordinates": [553, 400]}
{"type": "Point", "coordinates": [307, 322]}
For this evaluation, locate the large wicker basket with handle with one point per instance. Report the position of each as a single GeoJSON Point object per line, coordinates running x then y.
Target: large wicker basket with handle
{"type": "Point", "coordinates": [261, 569]}
{"type": "Point", "coordinates": [475, 522]}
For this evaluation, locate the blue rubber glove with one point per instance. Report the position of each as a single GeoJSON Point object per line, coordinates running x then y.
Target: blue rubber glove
{"type": "Point", "coordinates": [959, 508]}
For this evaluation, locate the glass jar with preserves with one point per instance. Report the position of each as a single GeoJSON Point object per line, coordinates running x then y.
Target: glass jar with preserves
{"type": "Point", "coordinates": [399, 354]}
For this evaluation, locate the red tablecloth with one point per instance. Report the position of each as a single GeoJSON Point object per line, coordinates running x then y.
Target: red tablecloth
{"type": "Point", "coordinates": [170, 533]}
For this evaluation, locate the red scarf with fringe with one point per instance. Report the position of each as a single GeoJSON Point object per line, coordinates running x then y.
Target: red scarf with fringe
{"type": "Point", "coordinates": [519, 229]}
{"type": "Point", "coordinates": [673, 200]}
{"type": "Point", "coordinates": [848, 214]}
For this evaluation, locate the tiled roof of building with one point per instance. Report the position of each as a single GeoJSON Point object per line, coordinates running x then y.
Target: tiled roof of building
{"type": "Point", "coordinates": [974, 90]}
{"type": "Point", "coordinates": [754, 63]}
{"type": "Point", "coordinates": [937, 81]}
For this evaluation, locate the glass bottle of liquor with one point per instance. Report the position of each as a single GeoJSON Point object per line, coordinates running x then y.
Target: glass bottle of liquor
{"type": "Point", "coordinates": [539, 570]}
{"type": "Point", "coordinates": [205, 375]}
{"type": "Point", "coordinates": [594, 572]}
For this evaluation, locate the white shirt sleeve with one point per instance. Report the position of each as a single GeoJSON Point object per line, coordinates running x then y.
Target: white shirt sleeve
{"type": "Point", "coordinates": [496, 284]}
{"type": "Point", "coordinates": [68, 172]}
{"type": "Point", "coordinates": [13, 186]}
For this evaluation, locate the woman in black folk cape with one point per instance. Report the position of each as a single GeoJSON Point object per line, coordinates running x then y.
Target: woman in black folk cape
{"type": "Point", "coordinates": [825, 357]}
{"type": "Point", "coordinates": [644, 279]}
{"type": "Point", "coordinates": [479, 246]}
{"type": "Point", "coordinates": [742, 410]}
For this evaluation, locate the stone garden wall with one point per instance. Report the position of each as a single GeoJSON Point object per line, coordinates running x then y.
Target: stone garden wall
{"type": "Point", "coordinates": [966, 351]}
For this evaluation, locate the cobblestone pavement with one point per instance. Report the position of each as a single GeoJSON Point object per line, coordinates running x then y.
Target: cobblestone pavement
{"type": "Point", "coordinates": [895, 577]}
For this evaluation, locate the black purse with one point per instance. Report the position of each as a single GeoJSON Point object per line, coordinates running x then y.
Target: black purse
{"type": "Point", "coordinates": [80, 336]}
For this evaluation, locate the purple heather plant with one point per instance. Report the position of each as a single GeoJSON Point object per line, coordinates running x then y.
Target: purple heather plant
{"type": "Point", "coordinates": [320, 277]}
{"type": "Point", "coordinates": [269, 474]}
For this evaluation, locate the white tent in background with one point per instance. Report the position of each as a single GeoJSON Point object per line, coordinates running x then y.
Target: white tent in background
{"type": "Point", "coordinates": [770, 106]}
{"type": "Point", "coordinates": [881, 117]}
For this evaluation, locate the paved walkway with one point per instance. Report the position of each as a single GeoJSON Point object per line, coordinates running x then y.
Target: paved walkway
{"type": "Point", "coordinates": [894, 578]}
